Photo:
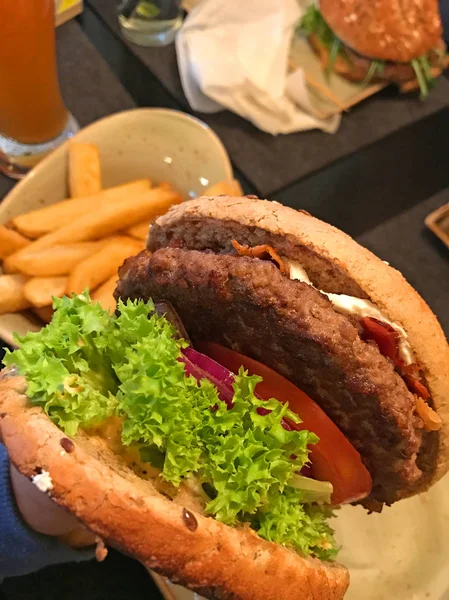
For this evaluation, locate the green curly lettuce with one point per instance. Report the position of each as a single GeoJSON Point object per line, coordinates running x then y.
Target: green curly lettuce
{"type": "Point", "coordinates": [88, 365]}
{"type": "Point", "coordinates": [66, 365]}
{"type": "Point", "coordinates": [303, 526]}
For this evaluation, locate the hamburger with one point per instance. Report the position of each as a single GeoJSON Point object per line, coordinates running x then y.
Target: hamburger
{"type": "Point", "coordinates": [379, 42]}
{"type": "Point", "coordinates": [261, 369]}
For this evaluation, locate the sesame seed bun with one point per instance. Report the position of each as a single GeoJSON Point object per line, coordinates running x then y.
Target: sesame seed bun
{"type": "Point", "coordinates": [391, 30]}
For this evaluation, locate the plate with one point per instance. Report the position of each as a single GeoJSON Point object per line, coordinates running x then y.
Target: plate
{"type": "Point", "coordinates": [399, 554]}
{"type": "Point", "coordinates": [162, 144]}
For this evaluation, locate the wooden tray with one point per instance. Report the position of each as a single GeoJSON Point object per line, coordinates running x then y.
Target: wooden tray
{"type": "Point", "coordinates": [438, 223]}
{"type": "Point", "coordinates": [329, 95]}
{"type": "Point", "coordinates": [67, 9]}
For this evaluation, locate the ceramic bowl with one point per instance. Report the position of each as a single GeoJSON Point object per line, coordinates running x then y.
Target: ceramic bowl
{"type": "Point", "coordinates": [164, 145]}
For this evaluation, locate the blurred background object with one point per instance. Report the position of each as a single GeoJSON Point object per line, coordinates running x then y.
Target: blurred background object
{"type": "Point", "coordinates": [150, 22]}
{"type": "Point", "coordinates": [67, 9]}
{"type": "Point", "coordinates": [278, 64]}
{"type": "Point", "coordinates": [444, 9]}
{"type": "Point", "coordinates": [236, 56]}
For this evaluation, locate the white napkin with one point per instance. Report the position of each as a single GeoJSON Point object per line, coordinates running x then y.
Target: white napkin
{"type": "Point", "coordinates": [234, 54]}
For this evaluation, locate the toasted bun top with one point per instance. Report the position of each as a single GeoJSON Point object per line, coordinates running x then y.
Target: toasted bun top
{"type": "Point", "coordinates": [335, 263]}
{"type": "Point", "coordinates": [392, 30]}
{"type": "Point", "coordinates": [127, 512]}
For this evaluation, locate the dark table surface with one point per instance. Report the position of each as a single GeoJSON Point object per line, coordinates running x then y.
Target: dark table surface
{"type": "Point", "coordinates": [273, 163]}
{"type": "Point", "coordinates": [389, 154]}
{"type": "Point", "coordinates": [379, 193]}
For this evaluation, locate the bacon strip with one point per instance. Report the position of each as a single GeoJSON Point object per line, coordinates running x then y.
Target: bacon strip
{"type": "Point", "coordinates": [388, 341]}
{"type": "Point", "coordinates": [415, 386]}
{"type": "Point", "coordinates": [263, 252]}
{"type": "Point", "coordinates": [412, 370]}
{"type": "Point", "coordinates": [384, 335]}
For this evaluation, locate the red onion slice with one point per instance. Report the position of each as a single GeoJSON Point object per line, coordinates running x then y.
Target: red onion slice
{"type": "Point", "coordinates": [201, 366]}
{"type": "Point", "coordinates": [164, 308]}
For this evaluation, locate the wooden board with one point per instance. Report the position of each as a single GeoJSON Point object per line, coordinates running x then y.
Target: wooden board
{"type": "Point", "coordinates": [438, 223]}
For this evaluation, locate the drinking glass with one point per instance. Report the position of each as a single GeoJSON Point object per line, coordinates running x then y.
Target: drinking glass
{"type": "Point", "coordinates": [150, 22]}
{"type": "Point", "coordinates": [33, 118]}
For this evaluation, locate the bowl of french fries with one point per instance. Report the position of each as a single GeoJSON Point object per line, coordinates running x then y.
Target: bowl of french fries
{"type": "Point", "coordinates": [71, 223]}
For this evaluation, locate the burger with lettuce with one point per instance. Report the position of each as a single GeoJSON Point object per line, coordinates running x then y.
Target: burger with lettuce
{"type": "Point", "coordinates": [391, 41]}
{"type": "Point", "coordinates": [261, 369]}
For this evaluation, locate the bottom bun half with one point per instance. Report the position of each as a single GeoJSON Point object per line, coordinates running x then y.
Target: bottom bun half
{"type": "Point", "coordinates": [128, 513]}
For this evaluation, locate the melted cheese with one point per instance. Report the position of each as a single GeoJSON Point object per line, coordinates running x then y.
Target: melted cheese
{"type": "Point", "coordinates": [356, 307]}
{"type": "Point", "coordinates": [189, 494]}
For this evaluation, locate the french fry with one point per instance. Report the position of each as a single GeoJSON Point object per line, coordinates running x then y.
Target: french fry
{"type": "Point", "coordinates": [44, 220]}
{"type": "Point", "coordinates": [139, 231]}
{"type": "Point", "coordinates": [39, 291]}
{"type": "Point", "coordinates": [84, 169]}
{"type": "Point", "coordinates": [107, 220]}
{"type": "Point", "coordinates": [10, 241]}
{"type": "Point", "coordinates": [57, 260]}
{"type": "Point", "coordinates": [105, 294]}
{"type": "Point", "coordinates": [45, 313]}
{"type": "Point", "coordinates": [12, 298]}
{"type": "Point", "coordinates": [224, 188]}
{"type": "Point", "coordinates": [102, 265]}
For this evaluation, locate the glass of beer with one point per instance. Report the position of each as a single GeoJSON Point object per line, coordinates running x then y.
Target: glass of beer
{"type": "Point", "coordinates": [33, 118]}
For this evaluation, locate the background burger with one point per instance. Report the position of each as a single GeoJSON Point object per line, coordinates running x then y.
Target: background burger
{"type": "Point", "coordinates": [154, 431]}
{"type": "Point", "coordinates": [383, 41]}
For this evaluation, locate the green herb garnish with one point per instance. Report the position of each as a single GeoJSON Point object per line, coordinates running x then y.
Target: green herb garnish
{"type": "Point", "coordinates": [333, 53]}
{"type": "Point", "coordinates": [376, 68]}
{"type": "Point", "coordinates": [313, 22]}
{"type": "Point", "coordinates": [421, 78]}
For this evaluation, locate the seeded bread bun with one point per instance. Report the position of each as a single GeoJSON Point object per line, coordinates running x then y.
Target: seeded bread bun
{"type": "Point", "coordinates": [391, 30]}
{"type": "Point", "coordinates": [335, 263]}
{"type": "Point", "coordinates": [128, 513]}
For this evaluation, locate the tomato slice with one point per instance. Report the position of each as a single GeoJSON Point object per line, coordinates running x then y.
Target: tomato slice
{"type": "Point", "coordinates": [333, 458]}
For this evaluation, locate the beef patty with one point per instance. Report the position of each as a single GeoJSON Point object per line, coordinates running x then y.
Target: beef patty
{"type": "Point", "coordinates": [248, 305]}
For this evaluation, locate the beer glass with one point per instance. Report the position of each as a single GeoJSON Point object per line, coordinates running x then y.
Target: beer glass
{"type": "Point", "coordinates": [33, 118]}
